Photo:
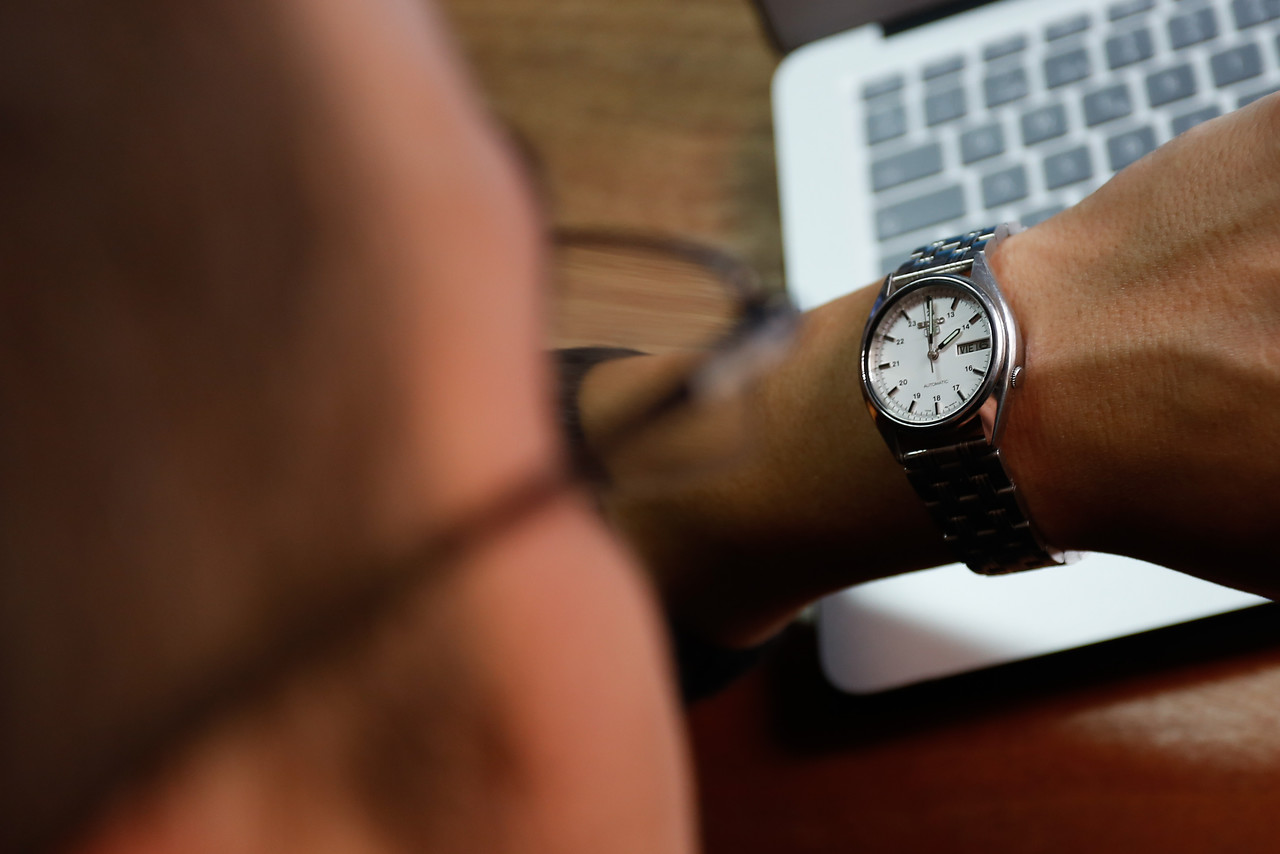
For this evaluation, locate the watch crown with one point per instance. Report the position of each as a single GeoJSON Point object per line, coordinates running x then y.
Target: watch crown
{"type": "Point", "coordinates": [1013, 377]}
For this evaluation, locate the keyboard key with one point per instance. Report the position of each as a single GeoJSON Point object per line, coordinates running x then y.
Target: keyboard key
{"type": "Point", "coordinates": [1005, 87]}
{"type": "Point", "coordinates": [981, 143]}
{"type": "Point", "coordinates": [907, 166]}
{"type": "Point", "coordinates": [886, 124]}
{"type": "Point", "coordinates": [1171, 85]}
{"type": "Point", "coordinates": [1068, 167]}
{"type": "Point", "coordinates": [944, 106]}
{"type": "Point", "coordinates": [1239, 63]}
{"type": "Point", "coordinates": [1066, 68]}
{"type": "Point", "coordinates": [882, 86]}
{"type": "Point", "coordinates": [931, 209]}
{"type": "Point", "coordinates": [1246, 100]}
{"type": "Point", "coordinates": [950, 65]}
{"type": "Point", "coordinates": [1004, 47]}
{"type": "Point", "coordinates": [1107, 104]}
{"type": "Point", "coordinates": [1187, 121]}
{"type": "Point", "coordinates": [1007, 185]}
{"type": "Point", "coordinates": [1070, 26]}
{"type": "Point", "coordinates": [1192, 28]}
{"type": "Point", "coordinates": [1128, 147]}
{"type": "Point", "coordinates": [1045, 123]}
{"type": "Point", "coordinates": [1129, 8]}
{"type": "Point", "coordinates": [1250, 13]}
{"type": "Point", "coordinates": [1128, 48]}
{"type": "Point", "coordinates": [1037, 217]}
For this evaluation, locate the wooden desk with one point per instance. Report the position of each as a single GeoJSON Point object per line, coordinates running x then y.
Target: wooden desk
{"type": "Point", "coordinates": [646, 114]}
{"type": "Point", "coordinates": [654, 115]}
{"type": "Point", "coordinates": [1169, 742]}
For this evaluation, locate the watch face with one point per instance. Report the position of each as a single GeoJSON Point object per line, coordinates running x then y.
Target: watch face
{"type": "Point", "coordinates": [929, 353]}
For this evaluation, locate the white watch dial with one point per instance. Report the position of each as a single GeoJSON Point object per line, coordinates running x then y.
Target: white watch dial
{"type": "Point", "coordinates": [929, 354]}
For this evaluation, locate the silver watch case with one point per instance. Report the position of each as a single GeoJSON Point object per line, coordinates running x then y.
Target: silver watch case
{"type": "Point", "coordinates": [983, 415]}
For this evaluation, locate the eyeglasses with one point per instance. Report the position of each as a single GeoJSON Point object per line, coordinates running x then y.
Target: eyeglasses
{"type": "Point", "coordinates": [654, 293]}
{"type": "Point", "coordinates": [670, 296]}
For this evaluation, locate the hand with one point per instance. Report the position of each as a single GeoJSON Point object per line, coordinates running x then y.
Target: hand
{"type": "Point", "coordinates": [1148, 419]}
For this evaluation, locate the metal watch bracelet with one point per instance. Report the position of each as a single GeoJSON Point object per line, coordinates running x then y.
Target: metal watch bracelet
{"type": "Point", "coordinates": [964, 485]}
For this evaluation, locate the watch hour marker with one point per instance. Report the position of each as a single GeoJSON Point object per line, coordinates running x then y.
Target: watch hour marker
{"type": "Point", "coordinates": [893, 391]}
{"type": "Point", "coordinates": [882, 367]}
{"type": "Point", "coordinates": [975, 318]}
{"type": "Point", "coordinates": [911, 408]}
{"type": "Point", "coordinates": [935, 407]}
{"type": "Point", "coordinates": [955, 302]}
{"type": "Point", "coordinates": [979, 372]}
{"type": "Point", "coordinates": [959, 392]}
{"type": "Point", "coordinates": [906, 316]}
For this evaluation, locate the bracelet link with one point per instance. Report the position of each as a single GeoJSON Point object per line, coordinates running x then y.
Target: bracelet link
{"type": "Point", "coordinates": [973, 500]}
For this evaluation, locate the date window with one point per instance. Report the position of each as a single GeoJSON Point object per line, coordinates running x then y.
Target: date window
{"type": "Point", "coordinates": [966, 347]}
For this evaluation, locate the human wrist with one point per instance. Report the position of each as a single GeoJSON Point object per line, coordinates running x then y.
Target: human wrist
{"type": "Point", "coordinates": [816, 502]}
{"type": "Point", "coordinates": [1043, 447]}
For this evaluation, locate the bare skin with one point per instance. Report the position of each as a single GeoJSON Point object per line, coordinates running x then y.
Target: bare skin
{"type": "Point", "coordinates": [1147, 432]}
{"type": "Point", "coordinates": [1142, 425]}
{"type": "Point", "coordinates": [540, 712]}
{"type": "Point", "coordinates": [1119, 440]}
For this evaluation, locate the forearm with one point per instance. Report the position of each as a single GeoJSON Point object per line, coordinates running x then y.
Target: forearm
{"type": "Point", "coordinates": [1143, 422]}
{"type": "Point", "coordinates": [814, 503]}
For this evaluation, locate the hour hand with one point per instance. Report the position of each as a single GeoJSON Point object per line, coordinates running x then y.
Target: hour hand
{"type": "Point", "coordinates": [949, 339]}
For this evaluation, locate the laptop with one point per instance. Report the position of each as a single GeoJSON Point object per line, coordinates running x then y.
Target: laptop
{"type": "Point", "coordinates": [896, 131]}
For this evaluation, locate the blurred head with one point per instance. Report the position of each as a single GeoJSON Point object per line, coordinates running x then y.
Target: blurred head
{"type": "Point", "coordinates": [270, 316]}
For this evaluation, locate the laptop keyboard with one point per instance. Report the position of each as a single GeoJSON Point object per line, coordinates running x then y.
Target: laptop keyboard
{"type": "Point", "coordinates": [1033, 120]}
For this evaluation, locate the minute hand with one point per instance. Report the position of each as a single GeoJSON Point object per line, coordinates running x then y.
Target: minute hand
{"type": "Point", "coordinates": [948, 339]}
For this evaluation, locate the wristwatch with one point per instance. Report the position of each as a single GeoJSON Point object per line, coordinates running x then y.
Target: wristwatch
{"type": "Point", "coordinates": [940, 356]}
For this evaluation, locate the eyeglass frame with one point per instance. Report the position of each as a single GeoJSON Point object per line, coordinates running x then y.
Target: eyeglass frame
{"type": "Point", "coordinates": [757, 339]}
